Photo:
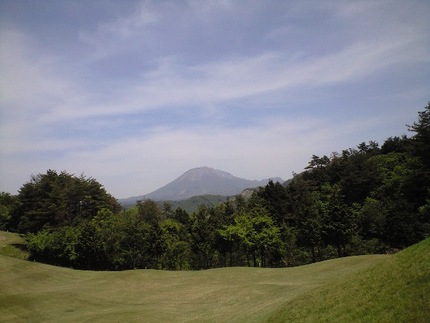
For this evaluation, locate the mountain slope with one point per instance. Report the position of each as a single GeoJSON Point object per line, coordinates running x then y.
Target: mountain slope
{"type": "Point", "coordinates": [202, 181]}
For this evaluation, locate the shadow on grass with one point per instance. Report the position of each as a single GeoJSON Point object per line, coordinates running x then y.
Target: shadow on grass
{"type": "Point", "coordinates": [21, 246]}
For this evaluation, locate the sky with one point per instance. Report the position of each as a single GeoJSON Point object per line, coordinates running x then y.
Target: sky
{"type": "Point", "coordinates": [135, 93]}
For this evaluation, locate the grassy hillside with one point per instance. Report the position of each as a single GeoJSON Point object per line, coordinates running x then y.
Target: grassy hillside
{"type": "Point", "coordinates": [12, 245]}
{"type": "Point", "coordinates": [324, 291]}
{"type": "Point", "coordinates": [397, 290]}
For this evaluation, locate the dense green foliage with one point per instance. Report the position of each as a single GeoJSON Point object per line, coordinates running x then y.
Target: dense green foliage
{"type": "Point", "coordinates": [8, 204]}
{"type": "Point", "coordinates": [191, 204]}
{"type": "Point", "coordinates": [53, 200]}
{"type": "Point", "coordinates": [369, 199]}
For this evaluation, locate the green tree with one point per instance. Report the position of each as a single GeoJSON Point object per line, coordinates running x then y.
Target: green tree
{"type": "Point", "coordinates": [202, 238]}
{"type": "Point", "coordinates": [8, 205]}
{"type": "Point", "coordinates": [421, 139]}
{"type": "Point", "coordinates": [397, 145]}
{"type": "Point", "coordinates": [316, 171]}
{"type": "Point", "coordinates": [309, 227]}
{"type": "Point", "coordinates": [177, 248]}
{"type": "Point", "coordinates": [125, 239]}
{"type": "Point", "coordinates": [156, 245]}
{"type": "Point", "coordinates": [257, 235]}
{"type": "Point", "coordinates": [91, 247]}
{"type": "Point", "coordinates": [182, 217]}
{"type": "Point", "coordinates": [424, 214]}
{"type": "Point", "coordinates": [358, 175]}
{"type": "Point", "coordinates": [372, 219]}
{"type": "Point", "coordinates": [401, 191]}
{"type": "Point", "coordinates": [150, 211]}
{"type": "Point", "coordinates": [275, 201]}
{"type": "Point", "coordinates": [223, 215]}
{"type": "Point", "coordinates": [51, 200]}
{"type": "Point", "coordinates": [54, 247]}
{"type": "Point", "coordinates": [338, 223]}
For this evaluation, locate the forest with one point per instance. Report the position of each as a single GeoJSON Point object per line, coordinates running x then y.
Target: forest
{"type": "Point", "coordinates": [369, 199]}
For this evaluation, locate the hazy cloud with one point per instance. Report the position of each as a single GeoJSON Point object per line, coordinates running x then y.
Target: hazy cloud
{"type": "Point", "coordinates": [136, 93]}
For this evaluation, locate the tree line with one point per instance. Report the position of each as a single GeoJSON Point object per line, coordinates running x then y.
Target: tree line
{"type": "Point", "coordinates": [367, 199]}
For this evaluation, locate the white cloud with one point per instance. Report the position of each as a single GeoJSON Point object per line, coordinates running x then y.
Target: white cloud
{"type": "Point", "coordinates": [26, 80]}
{"type": "Point", "coordinates": [214, 83]}
{"type": "Point", "coordinates": [51, 92]}
{"type": "Point", "coordinates": [120, 33]}
{"type": "Point", "coordinates": [209, 10]}
{"type": "Point", "coordinates": [173, 84]}
{"type": "Point", "coordinates": [46, 97]}
{"type": "Point", "coordinates": [140, 164]}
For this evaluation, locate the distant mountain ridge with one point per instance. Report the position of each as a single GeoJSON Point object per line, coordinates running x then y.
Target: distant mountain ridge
{"type": "Point", "coordinates": [202, 181]}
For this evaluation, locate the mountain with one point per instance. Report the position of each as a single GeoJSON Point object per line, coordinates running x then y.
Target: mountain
{"type": "Point", "coordinates": [201, 181]}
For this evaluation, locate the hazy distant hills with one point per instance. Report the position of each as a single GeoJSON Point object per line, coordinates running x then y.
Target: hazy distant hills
{"type": "Point", "coordinates": [201, 181]}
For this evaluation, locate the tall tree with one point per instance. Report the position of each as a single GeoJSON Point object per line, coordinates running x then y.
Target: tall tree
{"type": "Point", "coordinates": [51, 200]}
{"type": "Point", "coordinates": [177, 248]}
{"type": "Point", "coordinates": [274, 196]}
{"type": "Point", "coordinates": [150, 211]}
{"type": "Point", "coordinates": [309, 224]}
{"type": "Point", "coordinates": [401, 191]}
{"type": "Point", "coordinates": [257, 234]}
{"type": "Point", "coordinates": [421, 139]}
{"type": "Point", "coordinates": [202, 238]}
{"type": "Point", "coordinates": [338, 225]}
{"type": "Point", "coordinates": [8, 206]}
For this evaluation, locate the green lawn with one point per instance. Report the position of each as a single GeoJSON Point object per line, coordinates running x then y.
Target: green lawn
{"type": "Point", "coordinates": [12, 245]}
{"type": "Point", "coordinates": [41, 293]}
{"type": "Point", "coordinates": [396, 290]}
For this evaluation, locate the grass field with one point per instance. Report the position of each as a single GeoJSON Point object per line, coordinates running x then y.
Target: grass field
{"type": "Point", "coordinates": [12, 245]}
{"type": "Point", "coordinates": [42, 293]}
{"type": "Point", "coordinates": [396, 290]}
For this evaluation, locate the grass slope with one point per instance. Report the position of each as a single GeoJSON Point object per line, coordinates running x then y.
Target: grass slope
{"type": "Point", "coordinates": [12, 245]}
{"type": "Point", "coordinates": [41, 293]}
{"type": "Point", "coordinates": [397, 290]}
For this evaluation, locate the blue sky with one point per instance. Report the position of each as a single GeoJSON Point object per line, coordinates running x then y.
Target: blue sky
{"type": "Point", "coordinates": [135, 93]}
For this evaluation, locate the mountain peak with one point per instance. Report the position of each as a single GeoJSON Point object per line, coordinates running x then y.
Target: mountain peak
{"type": "Point", "coordinates": [203, 181]}
{"type": "Point", "coordinates": [204, 172]}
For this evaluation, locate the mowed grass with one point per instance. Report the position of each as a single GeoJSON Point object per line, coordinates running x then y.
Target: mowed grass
{"type": "Point", "coordinates": [396, 290]}
{"type": "Point", "coordinates": [41, 293]}
{"type": "Point", "coordinates": [12, 245]}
